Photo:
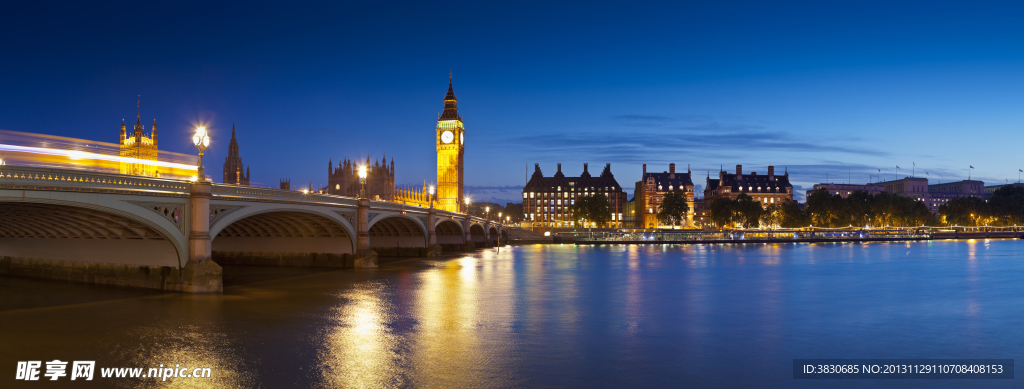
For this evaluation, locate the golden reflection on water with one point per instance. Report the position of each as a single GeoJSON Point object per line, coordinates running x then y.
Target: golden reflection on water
{"type": "Point", "coordinates": [356, 349]}
{"type": "Point", "coordinates": [451, 314]}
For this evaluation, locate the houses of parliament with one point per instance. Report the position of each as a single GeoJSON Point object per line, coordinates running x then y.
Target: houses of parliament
{"type": "Point", "coordinates": [343, 179]}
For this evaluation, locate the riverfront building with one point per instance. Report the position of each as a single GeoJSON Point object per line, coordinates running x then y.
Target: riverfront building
{"type": "Point", "coordinates": [767, 189]}
{"type": "Point", "coordinates": [546, 200]}
{"type": "Point", "coordinates": [935, 195]}
{"type": "Point", "coordinates": [652, 188]}
{"type": "Point", "coordinates": [846, 189]}
{"type": "Point", "coordinates": [989, 190]}
{"type": "Point", "coordinates": [941, 193]}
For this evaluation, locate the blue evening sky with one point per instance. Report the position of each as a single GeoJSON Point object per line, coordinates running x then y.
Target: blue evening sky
{"type": "Point", "coordinates": [820, 87]}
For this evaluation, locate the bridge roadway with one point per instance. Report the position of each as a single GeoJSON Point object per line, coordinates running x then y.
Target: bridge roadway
{"type": "Point", "coordinates": [171, 234]}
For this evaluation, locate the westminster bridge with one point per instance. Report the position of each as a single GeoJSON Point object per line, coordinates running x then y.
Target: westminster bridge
{"type": "Point", "coordinates": [171, 234]}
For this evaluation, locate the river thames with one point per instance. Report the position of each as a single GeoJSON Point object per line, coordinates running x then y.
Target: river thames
{"type": "Point", "coordinates": [702, 316]}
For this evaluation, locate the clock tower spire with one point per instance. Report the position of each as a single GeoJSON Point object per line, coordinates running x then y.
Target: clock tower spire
{"type": "Point", "coordinates": [450, 139]}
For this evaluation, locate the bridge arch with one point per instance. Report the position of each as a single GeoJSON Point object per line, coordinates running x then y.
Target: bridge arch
{"type": "Point", "coordinates": [269, 229]}
{"type": "Point", "coordinates": [66, 228]}
{"type": "Point", "coordinates": [449, 232]}
{"type": "Point", "coordinates": [476, 232]}
{"type": "Point", "coordinates": [396, 230]}
{"type": "Point", "coordinates": [492, 234]}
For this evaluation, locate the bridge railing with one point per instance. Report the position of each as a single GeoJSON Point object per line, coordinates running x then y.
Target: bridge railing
{"type": "Point", "coordinates": [34, 178]}
{"type": "Point", "coordinates": [22, 177]}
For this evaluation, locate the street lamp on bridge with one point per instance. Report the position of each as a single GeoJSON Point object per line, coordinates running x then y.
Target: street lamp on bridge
{"type": "Point", "coordinates": [202, 140]}
{"type": "Point", "coordinates": [362, 181]}
{"type": "Point", "coordinates": [431, 191]}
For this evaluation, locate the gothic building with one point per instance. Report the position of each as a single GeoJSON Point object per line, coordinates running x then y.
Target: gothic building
{"type": "Point", "coordinates": [234, 171]}
{"type": "Point", "coordinates": [139, 146]}
{"type": "Point", "coordinates": [344, 179]}
{"type": "Point", "coordinates": [450, 138]}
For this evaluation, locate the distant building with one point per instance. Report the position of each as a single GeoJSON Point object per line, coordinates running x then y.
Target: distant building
{"type": "Point", "coordinates": [989, 190]}
{"type": "Point", "coordinates": [701, 214]}
{"type": "Point", "coordinates": [629, 215]}
{"type": "Point", "coordinates": [286, 184]}
{"type": "Point", "coordinates": [846, 189]}
{"type": "Point", "coordinates": [913, 187]}
{"type": "Point", "coordinates": [546, 200]}
{"type": "Point", "coordinates": [234, 171]}
{"type": "Point", "coordinates": [344, 180]}
{"type": "Point", "coordinates": [653, 187]}
{"type": "Point", "coordinates": [767, 189]}
{"type": "Point", "coordinates": [939, 194]}
{"type": "Point", "coordinates": [139, 146]}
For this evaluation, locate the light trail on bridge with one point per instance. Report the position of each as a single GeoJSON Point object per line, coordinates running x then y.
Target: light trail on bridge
{"type": "Point", "coordinates": [50, 151]}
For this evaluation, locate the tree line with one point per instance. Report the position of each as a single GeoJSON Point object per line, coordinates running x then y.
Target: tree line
{"type": "Point", "coordinates": [1004, 208]}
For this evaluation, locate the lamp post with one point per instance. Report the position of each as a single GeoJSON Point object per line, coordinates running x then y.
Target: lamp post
{"type": "Point", "coordinates": [431, 191]}
{"type": "Point", "coordinates": [487, 213]}
{"type": "Point", "coordinates": [201, 140]}
{"type": "Point", "coordinates": [467, 205]}
{"type": "Point", "coordinates": [362, 181]}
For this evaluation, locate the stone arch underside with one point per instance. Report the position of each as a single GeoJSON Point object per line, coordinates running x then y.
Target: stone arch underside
{"type": "Point", "coordinates": [396, 232]}
{"type": "Point", "coordinates": [449, 232]}
{"type": "Point", "coordinates": [284, 232]}
{"type": "Point", "coordinates": [476, 232]}
{"type": "Point", "coordinates": [69, 233]}
{"type": "Point", "coordinates": [492, 234]}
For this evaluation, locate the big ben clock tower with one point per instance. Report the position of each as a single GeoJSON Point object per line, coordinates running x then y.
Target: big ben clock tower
{"type": "Point", "coordinates": [451, 145]}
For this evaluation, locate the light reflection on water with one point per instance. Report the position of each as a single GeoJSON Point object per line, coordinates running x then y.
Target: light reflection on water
{"type": "Point", "coordinates": [557, 315]}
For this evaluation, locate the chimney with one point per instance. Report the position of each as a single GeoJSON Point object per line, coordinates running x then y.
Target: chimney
{"type": "Point", "coordinates": [671, 171]}
{"type": "Point", "coordinates": [559, 168]}
{"type": "Point", "coordinates": [771, 173]}
{"type": "Point", "coordinates": [645, 169]}
{"type": "Point", "coordinates": [739, 171]}
{"type": "Point", "coordinates": [585, 167]}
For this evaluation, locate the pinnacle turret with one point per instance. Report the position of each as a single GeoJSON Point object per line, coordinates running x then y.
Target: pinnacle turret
{"type": "Point", "coordinates": [451, 107]}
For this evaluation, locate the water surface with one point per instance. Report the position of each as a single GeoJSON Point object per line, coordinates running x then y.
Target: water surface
{"type": "Point", "coordinates": [702, 316]}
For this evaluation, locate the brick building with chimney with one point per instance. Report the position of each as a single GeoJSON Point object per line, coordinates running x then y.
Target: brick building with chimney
{"type": "Point", "coordinates": [767, 189]}
{"type": "Point", "coordinates": [546, 200]}
{"type": "Point", "coordinates": [650, 191]}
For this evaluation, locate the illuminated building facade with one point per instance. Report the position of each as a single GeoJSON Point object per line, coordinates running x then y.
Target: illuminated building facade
{"type": "Point", "coordinates": [652, 188]}
{"type": "Point", "coordinates": [380, 179]}
{"type": "Point", "coordinates": [451, 145]}
{"type": "Point", "coordinates": [546, 200]}
{"type": "Point", "coordinates": [139, 146]}
{"type": "Point", "coordinates": [234, 171]}
{"type": "Point", "coordinates": [767, 189]}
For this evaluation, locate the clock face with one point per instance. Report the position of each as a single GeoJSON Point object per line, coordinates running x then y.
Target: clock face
{"type": "Point", "coordinates": [447, 137]}
{"type": "Point", "coordinates": [462, 138]}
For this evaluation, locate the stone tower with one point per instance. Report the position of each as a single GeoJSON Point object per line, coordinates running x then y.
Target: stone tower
{"type": "Point", "coordinates": [139, 146]}
{"type": "Point", "coordinates": [451, 145]}
{"type": "Point", "coordinates": [234, 171]}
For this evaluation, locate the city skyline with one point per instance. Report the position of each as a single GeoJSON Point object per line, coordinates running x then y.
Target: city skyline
{"type": "Point", "coordinates": [852, 90]}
